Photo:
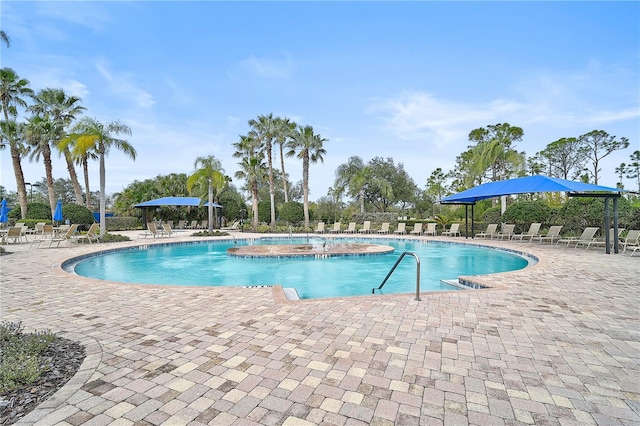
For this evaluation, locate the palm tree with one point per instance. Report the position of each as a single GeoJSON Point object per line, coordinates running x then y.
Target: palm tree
{"type": "Point", "coordinates": [39, 131]}
{"type": "Point", "coordinates": [12, 91]}
{"type": "Point", "coordinates": [100, 138]}
{"type": "Point", "coordinates": [81, 157]}
{"type": "Point", "coordinates": [252, 170]}
{"type": "Point", "coordinates": [265, 129]}
{"type": "Point", "coordinates": [285, 130]}
{"type": "Point", "coordinates": [309, 149]}
{"type": "Point", "coordinates": [209, 170]}
{"type": "Point", "coordinates": [63, 110]}
{"type": "Point", "coordinates": [350, 177]}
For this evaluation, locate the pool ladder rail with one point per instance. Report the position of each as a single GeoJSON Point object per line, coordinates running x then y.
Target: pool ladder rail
{"type": "Point", "coordinates": [417, 298]}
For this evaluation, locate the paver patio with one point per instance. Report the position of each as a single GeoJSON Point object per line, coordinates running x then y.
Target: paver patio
{"type": "Point", "coordinates": [557, 343]}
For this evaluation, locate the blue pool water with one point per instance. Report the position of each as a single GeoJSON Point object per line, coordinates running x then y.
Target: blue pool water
{"type": "Point", "coordinates": [207, 264]}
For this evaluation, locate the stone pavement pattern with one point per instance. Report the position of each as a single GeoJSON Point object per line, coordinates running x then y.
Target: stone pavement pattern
{"type": "Point", "coordinates": [556, 344]}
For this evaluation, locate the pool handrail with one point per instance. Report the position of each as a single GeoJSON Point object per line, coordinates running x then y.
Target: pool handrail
{"type": "Point", "coordinates": [373, 290]}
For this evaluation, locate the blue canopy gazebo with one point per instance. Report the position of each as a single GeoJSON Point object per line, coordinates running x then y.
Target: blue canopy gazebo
{"type": "Point", "coordinates": [539, 183]}
{"type": "Point", "coordinates": [171, 201]}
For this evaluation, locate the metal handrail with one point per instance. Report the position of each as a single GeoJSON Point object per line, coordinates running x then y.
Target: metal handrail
{"type": "Point", "coordinates": [373, 290]}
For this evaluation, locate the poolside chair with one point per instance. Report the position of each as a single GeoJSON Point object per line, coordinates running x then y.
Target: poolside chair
{"type": "Point", "coordinates": [337, 228]}
{"type": "Point", "coordinates": [366, 227]}
{"type": "Point", "coordinates": [417, 229]}
{"type": "Point", "coordinates": [166, 230]}
{"type": "Point", "coordinates": [584, 238]}
{"type": "Point", "coordinates": [182, 224]}
{"type": "Point", "coordinates": [68, 237]}
{"type": "Point", "coordinates": [507, 232]}
{"type": "Point", "coordinates": [15, 233]}
{"type": "Point", "coordinates": [401, 229]}
{"type": "Point", "coordinates": [631, 241]}
{"type": "Point", "coordinates": [193, 225]}
{"type": "Point", "coordinates": [203, 225]}
{"type": "Point", "coordinates": [93, 234]}
{"type": "Point", "coordinates": [234, 226]}
{"type": "Point", "coordinates": [384, 229]}
{"type": "Point", "coordinates": [351, 228]}
{"type": "Point", "coordinates": [151, 231]}
{"type": "Point", "coordinates": [320, 228]}
{"type": "Point", "coordinates": [454, 230]}
{"type": "Point", "coordinates": [47, 233]}
{"type": "Point", "coordinates": [534, 228]}
{"type": "Point", "coordinates": [431, 229]}
{"type": "Point", "coordinates": [552, 234]}
{"type": "Point", "coordinates": [601, 242]}
{"type": "Point", "coordinates": [492, 228]}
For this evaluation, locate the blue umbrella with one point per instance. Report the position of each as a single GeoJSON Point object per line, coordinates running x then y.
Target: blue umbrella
{"type": "Point", "coordinates": [57, 215]}
{"type": "Point", "coordinates": [4, 210]}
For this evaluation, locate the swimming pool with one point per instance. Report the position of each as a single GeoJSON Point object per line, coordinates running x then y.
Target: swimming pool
{"type": "Point", "coordinates": [207, 264]}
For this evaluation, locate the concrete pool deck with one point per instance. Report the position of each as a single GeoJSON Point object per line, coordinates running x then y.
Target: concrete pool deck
{"type": "Point", "coordinates": [556, 343]}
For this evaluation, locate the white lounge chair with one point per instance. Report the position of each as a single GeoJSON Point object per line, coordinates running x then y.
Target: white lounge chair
{"type": "Point", "coordinates": [93, 234]}
{"type": "Point", "coordinates": [454, 230]}
{"type": "Point", "coordinates": [320, 228]}
{"type": "Point", "coordinates": [534, 228]}
{"type": "Point", "coordinates": [601, 242]}
{"type": "Point", "coordinates": [431, 229]}
{"type": "Point", "coordinates": [384, 229]}
{"type": "Point", "coordinates": [417, 229]}
{"type": "Point", "coordinates": [492, 228]}
{"type": "Point", "coordinates": [351, 228]}
{"type": "Point", "coordinates": [631, 241]}
{"type": "Point", "coordinates": [402, 228]}
{"type": "Point", "coordinates": [552, 234]}
{"type": "Point", "coordinates": [507, 232]}
{"type": "Point", "coordinates": [337, 228]}
{"type": "Point", "coordinates": [366, 227]}
{"type": "Point", "coordinates": [68, 237]}
{"type": "Point", "coordinates": [586, 237]}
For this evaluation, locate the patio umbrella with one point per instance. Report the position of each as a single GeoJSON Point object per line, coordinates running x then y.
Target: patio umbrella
{"type": "Point", "coordinates": [57, 214]}
{"type": "Point", "coordinates": [4, 211]}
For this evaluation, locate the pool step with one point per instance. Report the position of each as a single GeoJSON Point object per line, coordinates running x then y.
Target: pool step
{"type": "Point", "coordinates": [291, 294]}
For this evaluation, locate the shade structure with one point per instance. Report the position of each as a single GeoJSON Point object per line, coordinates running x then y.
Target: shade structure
{"type": "Point", "coordinates": [525, 185]}
{"type": "Point", "coordinates": [216, 205]}
{"type": "Point", "coordinates": [171, 201]}
{"type": "Point", "coordinates": [4, 211]}
{"type": "Point", "coordinates": [57, 214]}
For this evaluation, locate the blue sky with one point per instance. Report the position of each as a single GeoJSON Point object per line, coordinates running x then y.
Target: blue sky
{"type": "Point", "coordinates": [407, 80]}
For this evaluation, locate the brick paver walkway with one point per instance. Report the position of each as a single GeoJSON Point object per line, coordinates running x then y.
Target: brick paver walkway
{"type": "Point", "coordinates": [556, 344]}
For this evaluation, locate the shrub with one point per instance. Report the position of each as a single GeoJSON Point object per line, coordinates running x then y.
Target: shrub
{"type": "Point", "coordinates": [292, 212]}
{"type": "Point", "coordinates": [114, 238]}
{"type": "Point", "coordinates": [492, 215]}
{"type": "Point", "coordinates": [525, 212]}
{"type": "Point", "coordinates": [34, 211]}
{"type": "Point", "coordinates": [20, 362]}
{"type": "Point", "coordinates": [76, 213]}
{"type": "Point", "coordinates": [122, 223]}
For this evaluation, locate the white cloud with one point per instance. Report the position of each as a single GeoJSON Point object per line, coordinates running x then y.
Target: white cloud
{"type": "Point", "coordinates": [269, 67]}
{"type": "Point", "coordinates": [123, 84]}
{"type": "Point", "coordinates": [87, 14]}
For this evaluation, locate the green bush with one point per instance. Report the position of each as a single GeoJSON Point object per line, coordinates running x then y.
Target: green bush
{"type": "Point", "coordinates": [492, 215]}
{"type": "Point", "coordinates": [114, 238]}
{"type": "Point", "coordinates": [76, 213]}
{"type": "Point", "coordinates": [122, 223]}
{"type": "Point", "coordinates": [34, 211]}
{"type": "Point", "coordinates": [20, 362]}
{"type": "Point", "coordinates": [525, 212]}
{"type": "Point", "coordinates": [292, 212]}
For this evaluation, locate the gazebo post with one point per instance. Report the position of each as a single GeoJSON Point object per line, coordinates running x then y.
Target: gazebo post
{"type": "Point", "coordinates": [607, 225]}
{"type": "Point", "coordinates": [473, 236]}
{"type": "Point", "coordinates": [466, 221]}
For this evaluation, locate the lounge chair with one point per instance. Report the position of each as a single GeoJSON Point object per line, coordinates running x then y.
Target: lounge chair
{"type": "Point", "coordinates": [337, 228]}
{"type": "Point", "coordinates": [193, 225]}
{"type": "Point", "coordinates": [584, 238]}
{"type": "Point", "coordinates": [151, 231]}
{"type": "Point", "coordinates": [492, 228]}
{"type": "Point", "coordinates": [601, 242]}
{"type": "Point", "coordinates": [534, 228]}
{"type": "Point", "coordinates": [507, 232]}
{"type": "Point", "coordinates": [203, 225]}
{"type": "Point", "coordinates": [552, 234]}
{"type": "Point", "coordinates": [402, 228]}
{"type": "Point", "coordinates": [234, 226]}
{"type": "Point", "coordinates": [166, 230]}
{"type": "Point", "coordinates": [351, 228]}
{"type": "Point", "coordinates": [631, 241]}
{"type": "Point", "coordinates": [68, 237]}
{"type": "Point", "coordinates": [366, 227]}
{"type": "Point", "coordinates": [384, 229]}
{"type": "Point", "coordinates": [47, 233]}
{"type": "Point", "coordinates": [320, 228]}
{"type": "Point", "coordinates": [93, 234]}
{"type": "Point", "coordinates": [417, 229]}
{"type": "Point", "coordinates": [15, 233]}
{"type": "Point", "coordinates": [431, 229]}
{"type": "Point", "coordinates": [454, 230]}
{"type": "Point", "coordinates": [182, 224]}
